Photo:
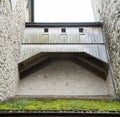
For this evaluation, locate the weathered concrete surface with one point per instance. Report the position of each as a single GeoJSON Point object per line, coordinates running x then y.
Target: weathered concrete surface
{"type": "Point", "coordinates": [28, 11]}
{"type": "Point", "coordinates": [11, 33]}
{"type": "Point", "coordinates": [108, 11]}
{"type": "Point", "coordinates": [63, 78]}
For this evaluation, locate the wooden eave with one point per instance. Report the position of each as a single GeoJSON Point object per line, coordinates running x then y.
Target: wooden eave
{"type": "Point", "coordinates": [64, 24]}
{"type": "Point", "coordinates": [89, 62]}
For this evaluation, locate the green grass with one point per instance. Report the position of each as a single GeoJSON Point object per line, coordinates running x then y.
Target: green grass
{"type": "Point", "coordinates": [61, 104]}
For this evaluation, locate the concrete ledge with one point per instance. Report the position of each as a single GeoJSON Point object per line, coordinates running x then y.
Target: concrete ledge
{"type": "Point", "coordinates": [91, 97]}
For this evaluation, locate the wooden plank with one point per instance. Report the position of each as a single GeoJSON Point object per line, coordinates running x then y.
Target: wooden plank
{"type": "Point", "coordinates": [90, 68]}
{"type": "Point", "coordinates": [26, 64]}
{"type": "Point", "coordinates": [37, 35]}
{"type": "Point", "coordinates": [64, 24]}
{"type": "Point", "coordinates": [96, 50]}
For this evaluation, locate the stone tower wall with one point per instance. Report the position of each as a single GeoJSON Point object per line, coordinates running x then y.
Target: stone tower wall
{"type": "Point", "coordinates": [12, 30]}
{"type": "Point", "coordinates": [108, 11]}
{"type": "Point", "coordinates": [11, 33]}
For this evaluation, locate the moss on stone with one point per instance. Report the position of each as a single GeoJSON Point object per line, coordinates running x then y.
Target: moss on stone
{"type": "Point", "coordinates": [61, 104]}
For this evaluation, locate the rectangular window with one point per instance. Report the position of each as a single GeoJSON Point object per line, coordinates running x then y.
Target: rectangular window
{"type": "Point", "coordinates": [45, 30]}
{"type": "Point", "coordinates": [63, 30]}
{"type": "Point", "coordinates": [81, 31]}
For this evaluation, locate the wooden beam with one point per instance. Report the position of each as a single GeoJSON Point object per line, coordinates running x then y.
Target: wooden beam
{"type": "Point", "coordinates": [28, 63]}
{"type": "Point", "coordinates": [87, 61]}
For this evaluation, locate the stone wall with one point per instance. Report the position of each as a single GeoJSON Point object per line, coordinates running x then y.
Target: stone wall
{"type": "Point", "coordinates": [63, 78]}
{"type": "Point", "coordinates": [108, 11]}
{"type": "Point", "coordinates": [11, 33]}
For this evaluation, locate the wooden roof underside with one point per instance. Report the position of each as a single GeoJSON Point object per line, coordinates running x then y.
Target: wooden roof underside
{"type": "Point", "coordinates": [91, 63]}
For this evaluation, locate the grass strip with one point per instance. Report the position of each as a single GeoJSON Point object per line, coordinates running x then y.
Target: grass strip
{"type": "Point", "coordinates": [61, 105]}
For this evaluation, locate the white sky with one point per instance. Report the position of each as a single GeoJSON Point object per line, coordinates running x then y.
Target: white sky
{"type": "Point", "coordinates": [63, 11]}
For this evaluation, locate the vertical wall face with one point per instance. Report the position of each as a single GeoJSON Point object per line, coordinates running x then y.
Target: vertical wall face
{"type": "Point", "coordinates": [108, 11]}
{"type": "Point", "coordinates": [11, 33]}
{"type": "Point", "coordinates": [28, 12]}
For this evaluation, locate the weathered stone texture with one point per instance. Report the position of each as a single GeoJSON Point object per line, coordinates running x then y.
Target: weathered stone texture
{"type": "Point", "coordinates": [28, 11]}
{"type": "Point", "coordinates": [11, 33]}
{"type": "Point", "coordinates": [63, 78]}
{"type": "Point", "coordinates": [108, 11]}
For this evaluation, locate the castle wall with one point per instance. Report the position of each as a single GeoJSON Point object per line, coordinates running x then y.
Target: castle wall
{"type": "Point", "coordinates": [11, 34]}
{"type": "Point", "coordinates": [108, 11]}
{"type": "Point", "coordinates": [63, 78]}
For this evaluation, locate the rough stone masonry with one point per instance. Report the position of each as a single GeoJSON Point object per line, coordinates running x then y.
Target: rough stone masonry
{"type": "Point", "coordinates": [108, 11]}
{"type": "Point", "coordinates": [11, 33]}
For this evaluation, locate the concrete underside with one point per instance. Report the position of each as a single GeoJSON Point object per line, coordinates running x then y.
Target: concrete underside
{"type": "Point", "coordinates": [62, 78]}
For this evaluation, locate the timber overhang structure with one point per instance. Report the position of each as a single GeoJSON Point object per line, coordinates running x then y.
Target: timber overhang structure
{"type": "Point", "coordinates": [83, 43]}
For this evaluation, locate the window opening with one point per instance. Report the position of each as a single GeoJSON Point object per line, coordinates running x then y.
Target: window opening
{"type": "Point", "coordinates": [63, 30]}
{"type": "Point", "coordinates": [45, 30]}
{"type": "Point", "coordinates": [81, 31]}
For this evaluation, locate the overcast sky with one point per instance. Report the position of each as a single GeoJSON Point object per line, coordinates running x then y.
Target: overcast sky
{"type": "Point", "coordinates": [63, 11]}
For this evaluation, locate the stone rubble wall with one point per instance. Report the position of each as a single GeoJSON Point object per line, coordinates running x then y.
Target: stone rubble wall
{"type": "Point", "coordinates": [108, 11]}
{"type": "Point", "coordinates": [11, 34]}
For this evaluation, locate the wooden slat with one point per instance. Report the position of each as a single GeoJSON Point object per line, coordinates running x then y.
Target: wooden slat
{"type": "Point", "coordinates": [96, 50]}
{"type": "Point", "coordinates": [98, 66]}
{"type": "Point", "coordinates": [37, 35]}
{"type": "Point", "coordinates": [28, 63]}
